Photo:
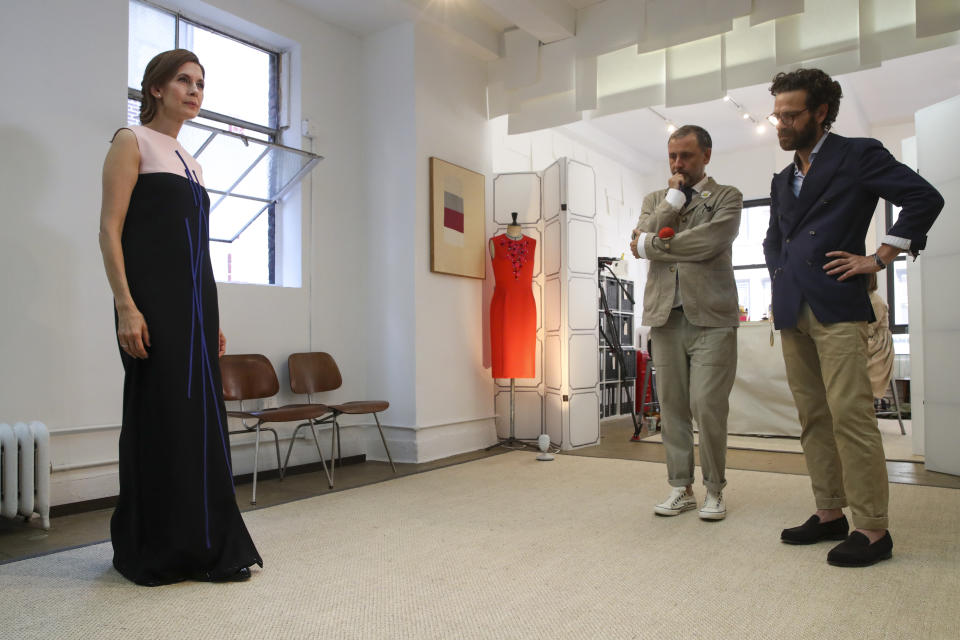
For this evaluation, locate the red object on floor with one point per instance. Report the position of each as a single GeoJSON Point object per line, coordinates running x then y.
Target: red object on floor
{"type": "Point", "coordinates": [642, 359]}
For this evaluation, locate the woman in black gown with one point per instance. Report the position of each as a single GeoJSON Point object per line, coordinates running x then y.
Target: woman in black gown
{"type": "Point", "coordinates": [176, 517]}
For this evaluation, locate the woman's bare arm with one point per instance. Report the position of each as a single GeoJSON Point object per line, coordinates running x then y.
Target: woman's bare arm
{"type": "Point", "coordinates": [120, 171]}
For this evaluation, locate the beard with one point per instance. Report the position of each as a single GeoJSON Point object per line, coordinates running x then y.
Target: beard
{"type": "Point", "coordinates": [799, 139]}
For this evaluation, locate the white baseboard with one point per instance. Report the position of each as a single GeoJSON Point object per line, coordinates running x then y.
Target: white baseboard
{"type": "Point", "coordinates": [82, 469]}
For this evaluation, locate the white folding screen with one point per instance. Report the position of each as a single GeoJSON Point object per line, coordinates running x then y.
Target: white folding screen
{"type": "Point", "coordinates": [563, 400]}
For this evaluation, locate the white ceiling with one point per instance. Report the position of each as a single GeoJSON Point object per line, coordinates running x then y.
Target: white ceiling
{"type": "Point", "coordinates": [887, 94]}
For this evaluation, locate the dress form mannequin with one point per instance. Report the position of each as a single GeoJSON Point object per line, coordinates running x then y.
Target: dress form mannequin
{"type": "Point", "coordinates": [513, 320]}
{"type": "Point", "coordinates": [514, 232]}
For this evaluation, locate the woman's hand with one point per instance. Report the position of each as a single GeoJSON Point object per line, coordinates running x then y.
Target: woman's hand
{"type": "Point", "coordinates": [132, 333]}
{"type": "Point", "coordinates": [223, 344]}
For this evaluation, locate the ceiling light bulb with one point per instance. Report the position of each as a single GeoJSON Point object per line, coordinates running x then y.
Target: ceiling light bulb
{"type": "Point", "coordinates": [726, 98]}
{"type": "Point", "coordinates": [761, 128]}
{"type": "Point", "coordinates": [671, 128]}
{"type": "Point", "coordinates": [772, 120]}
{"type": "Point", "coordinates": [746, 116]}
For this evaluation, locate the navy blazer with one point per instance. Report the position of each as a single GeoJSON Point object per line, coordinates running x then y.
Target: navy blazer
{"type": "Point", "coordinates": [832, 213]}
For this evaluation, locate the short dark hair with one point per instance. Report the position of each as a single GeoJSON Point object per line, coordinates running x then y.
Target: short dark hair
{"type": "Point", "coordinates": [160, 70]}
{"type": "Point", "coordinates": [703, 138]}
{"type": "Point", "coordinates": [820, 88]}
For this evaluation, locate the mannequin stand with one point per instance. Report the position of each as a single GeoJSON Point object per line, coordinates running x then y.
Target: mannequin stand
{"type": "Point", "coordinates": [511, 442]}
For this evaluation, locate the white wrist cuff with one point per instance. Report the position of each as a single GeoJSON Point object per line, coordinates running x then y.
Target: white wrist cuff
{"type": "Point", "coordinates": [899, 243]}
{"type": "Point", "coordinates": [641, 245]}
{"type": "Point", "coordinates": [675, 198]}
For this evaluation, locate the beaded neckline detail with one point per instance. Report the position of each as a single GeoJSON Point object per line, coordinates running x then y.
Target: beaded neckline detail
{"type": "Point", "coordinates": [517, 252]}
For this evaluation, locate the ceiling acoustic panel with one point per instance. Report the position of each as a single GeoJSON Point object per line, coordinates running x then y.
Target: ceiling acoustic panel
{"type": "Point", "coordinates": [586, 83]}
{"type": "Point", "coordinates": [628, 81]}
{"type": "Point", "coordinates": [826, 29]}
{"type": "Point", "coordinates": [556, 74]}
{"type": "Point", "coordinates": [749, 53]}
{"type": "Point", "coordinates": [608, 26]}
{"type": "Point", "coordinates": [522, 59]}
{"type": "Point", "coordinates": [544, 113]}
{"type": "Point", "coordinates": [766, 10]}
{"type": "Point", "coordinates": [695, 72]}
{"type": "Point", "coordinates": [935, 17]}
{"type": "Point", "coordinates": [888, 29]}
{"type": "Point", "coordinates": [518, 192]}
{"type": "Point", "coordinates": [672, 22]}
{"type": "Point", "coordinates": [584, 416]}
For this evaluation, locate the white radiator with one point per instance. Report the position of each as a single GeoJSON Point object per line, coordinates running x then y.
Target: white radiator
{"type": "Point", "coordinates": [25, 471]}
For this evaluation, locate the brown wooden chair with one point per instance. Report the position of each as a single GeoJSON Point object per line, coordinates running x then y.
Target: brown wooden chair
{"type": "Point", "coordinates": [317, 372]}
{"type": "Point", "coordinates": [252, 377]}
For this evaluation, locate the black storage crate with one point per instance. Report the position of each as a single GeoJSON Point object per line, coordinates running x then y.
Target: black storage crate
{"type": "Point", "coordinates": [625, 329]}
{"type": "Point", "coordinates": [625, 305]}
{"type": "Point", "coordinates": [611, 368]}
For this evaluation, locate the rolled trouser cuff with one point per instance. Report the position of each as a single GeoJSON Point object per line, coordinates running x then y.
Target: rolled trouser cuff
{"type": "Point", "coordinates": [681, 482]}
{"type": "Point", "coordinates": [831, 503]}
{"type": "Point", "coordinates": [867, 522]}
{"type": "Point", "coordinates": [715, 487]}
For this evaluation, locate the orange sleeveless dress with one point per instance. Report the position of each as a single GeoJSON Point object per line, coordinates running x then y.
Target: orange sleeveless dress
{"type": "Point", "coordinates": [513, 311]}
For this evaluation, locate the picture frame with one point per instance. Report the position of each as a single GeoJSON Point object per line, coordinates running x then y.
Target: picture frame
{"type": "Point", "coordinates": [457, 220]}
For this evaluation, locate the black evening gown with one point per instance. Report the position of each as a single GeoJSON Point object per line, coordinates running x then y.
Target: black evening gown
{"type": "Point", "coordinates": [176, 517]}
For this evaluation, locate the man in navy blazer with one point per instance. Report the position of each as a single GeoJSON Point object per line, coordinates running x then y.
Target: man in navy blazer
{"type": "Point", "coordinates": [820, 211]}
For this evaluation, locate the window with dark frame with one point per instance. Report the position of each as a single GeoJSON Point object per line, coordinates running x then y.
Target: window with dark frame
{"type": "Point", "coordinates": [236, 137]}
{"type": "Point", "coordinates": [749, 265]}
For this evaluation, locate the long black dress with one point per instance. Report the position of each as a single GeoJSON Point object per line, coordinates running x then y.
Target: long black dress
{"type": "Point", "coordinates": [176, 517]}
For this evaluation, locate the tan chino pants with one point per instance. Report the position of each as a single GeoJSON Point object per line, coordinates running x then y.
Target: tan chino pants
{"type": "Point", "coordinates": [827, 373]}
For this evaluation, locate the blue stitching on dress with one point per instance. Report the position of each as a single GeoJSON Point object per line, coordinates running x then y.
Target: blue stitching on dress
{"type": "Point", "coordinates": [196, 322]}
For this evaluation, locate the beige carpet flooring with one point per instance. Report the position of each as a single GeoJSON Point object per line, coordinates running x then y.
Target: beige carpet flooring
{"type": "Point", "coordinates": [508, 547]}
{"type": "Point", "coordinates": [896, 445]}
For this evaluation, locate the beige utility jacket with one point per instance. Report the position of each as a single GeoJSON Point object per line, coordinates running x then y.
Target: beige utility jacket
{"type": "Point", "coordinates": [701, 251]}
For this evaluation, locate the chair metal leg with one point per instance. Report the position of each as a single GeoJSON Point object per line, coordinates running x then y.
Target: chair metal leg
{"type": "Point", "coordinates": [387, 449]}
{"type": "Point", "coordinates": [256, 459]}
{"type": "Point", "coordinates": [333, 449]}
{"type": "Point", "coordinates": [293, 439]}
{"type": "Point", "coordinates": [313, 428]}
{"type": "Point", "coordinates": [276, 441]}
{"type": "Point", "coordinates": [896, 403]}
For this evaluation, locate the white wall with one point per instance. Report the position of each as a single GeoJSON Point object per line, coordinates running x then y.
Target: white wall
{"type": "Point", "coordinates": [57, 340]}
{"type": "Point", "coordinates": [454, 392]}
{"type": "Point", "coordinates": [390, 197]}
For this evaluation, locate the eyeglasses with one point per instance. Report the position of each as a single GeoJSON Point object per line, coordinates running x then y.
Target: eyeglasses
{"type": "Point", "coordinates": [786, 117]}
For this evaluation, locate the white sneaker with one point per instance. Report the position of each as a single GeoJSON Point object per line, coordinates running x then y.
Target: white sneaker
{"type": "Point", "coordinates": [713, 507]}
{"type": "Point", "coordinates": [678, 502]}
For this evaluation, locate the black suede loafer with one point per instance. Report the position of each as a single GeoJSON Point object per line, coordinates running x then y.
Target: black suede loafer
{"type": "Point", "coordinates": [856, 551]}
{"type": "Point", "coordinates": [813, 531]}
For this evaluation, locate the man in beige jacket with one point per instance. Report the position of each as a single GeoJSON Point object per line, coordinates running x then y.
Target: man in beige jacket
{"type": "Point", "coordinates": [690, 302]}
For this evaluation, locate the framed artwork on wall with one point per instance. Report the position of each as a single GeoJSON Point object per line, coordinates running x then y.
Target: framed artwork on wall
{"type": "Point", "coordinates": [457, 215]}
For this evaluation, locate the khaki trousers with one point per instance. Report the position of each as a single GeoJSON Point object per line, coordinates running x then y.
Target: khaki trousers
{"type": "Point", "coordinates": [827, 373]}
{"type": "Point", "coordinates": [696, 367]}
